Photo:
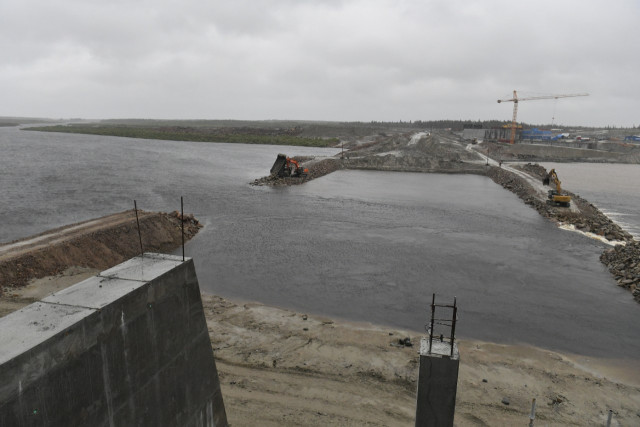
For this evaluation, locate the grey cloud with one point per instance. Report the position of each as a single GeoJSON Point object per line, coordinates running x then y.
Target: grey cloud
{"type": "Point", "coordinates": [331, 60]}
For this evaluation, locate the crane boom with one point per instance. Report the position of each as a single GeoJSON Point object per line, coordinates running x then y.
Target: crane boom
{"type": "Point", "coordinates": [515, 101]}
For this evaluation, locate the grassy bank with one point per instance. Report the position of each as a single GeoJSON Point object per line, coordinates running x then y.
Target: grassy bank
{"type": "Point", "coordinates": [196, 134]}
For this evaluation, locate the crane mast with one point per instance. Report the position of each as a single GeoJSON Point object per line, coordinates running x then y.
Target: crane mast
{"type": "Point", "coordinates": [516, 100]}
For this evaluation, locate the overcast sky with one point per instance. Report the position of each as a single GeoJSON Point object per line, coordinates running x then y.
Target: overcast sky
{"type": "Point", "coordinates": [322, 60]}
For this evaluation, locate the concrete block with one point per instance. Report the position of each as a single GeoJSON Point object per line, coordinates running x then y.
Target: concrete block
{"type": "Point", "coordinates": [127, 347]}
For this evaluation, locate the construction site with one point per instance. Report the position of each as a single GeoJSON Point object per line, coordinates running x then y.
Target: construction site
{"type": "Point", "coordinates": [285, 367]}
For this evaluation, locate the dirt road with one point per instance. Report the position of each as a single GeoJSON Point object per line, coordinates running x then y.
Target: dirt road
{"type": "Point", "coordinates": [63, 234]}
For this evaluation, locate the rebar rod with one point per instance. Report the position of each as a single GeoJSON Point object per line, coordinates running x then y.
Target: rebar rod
{"type": "Point", "coordinates": [135, 207]}
{"type": "Point", "coordinates": [182, 221]}
{"type": "Point", "coordinates": [433, 312]}
{"type": "Point", "coordinates": [453, 324]}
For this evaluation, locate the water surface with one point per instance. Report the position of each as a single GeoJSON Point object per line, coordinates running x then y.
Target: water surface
{"type": "Point", "coordinates": [367, 246]}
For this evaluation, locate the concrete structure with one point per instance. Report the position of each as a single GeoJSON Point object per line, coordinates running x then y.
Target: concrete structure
{"type": "Point", "coordinates": [127, 347]}
{"type": "Point", "coordinates": [437, 383]}
{"type": "Point", "coordinates": [590, 145]}
{"type": "Point", "coordinates": [471, 134]}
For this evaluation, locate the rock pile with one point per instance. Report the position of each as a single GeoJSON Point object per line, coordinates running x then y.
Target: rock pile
{"type": "Point", "coordinates": [589, 219]}
{"type": "Point", "coordinates": [624, 264]}
{"type": "Point", "coordinates": [191, 223]}
{"type": "Point", "coordinates": [623, 261]}
{"type": "Point", "coordinates": [316, 170]}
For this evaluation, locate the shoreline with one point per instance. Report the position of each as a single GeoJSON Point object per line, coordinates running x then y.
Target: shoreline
{"type": "Point", "coordinates": [301, 357]}
{"type": "Point", "coordinates": [296, 368]}
{"type": "Point", "coordinates": [623, 370]}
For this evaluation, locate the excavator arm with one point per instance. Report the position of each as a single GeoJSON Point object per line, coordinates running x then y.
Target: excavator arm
{"type": "Point", "coordinates": [556, 197]}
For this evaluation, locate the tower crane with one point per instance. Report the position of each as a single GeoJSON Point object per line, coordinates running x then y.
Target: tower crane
{"type": "Point", "coordinates": [516, 100]}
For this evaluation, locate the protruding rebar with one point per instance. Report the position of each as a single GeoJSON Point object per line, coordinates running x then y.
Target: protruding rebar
{"type": "Point", "coordinates": [433, 312]}
{"type": "Point", "coordinates": [453, 324]}
{"type": "Point", "coordinates": [135, 207]}
{"type": "Point", "coordinates": [182, 220]}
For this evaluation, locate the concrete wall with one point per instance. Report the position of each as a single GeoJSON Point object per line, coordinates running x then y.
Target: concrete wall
{"type": "Point", "coordinates": [127, 347]}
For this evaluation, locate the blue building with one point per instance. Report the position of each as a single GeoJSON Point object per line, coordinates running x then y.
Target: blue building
{"type": "Point", "coordinates": [536, 135]}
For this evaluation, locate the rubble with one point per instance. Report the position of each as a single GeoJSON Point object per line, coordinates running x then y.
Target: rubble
{"type": "Point", "coordinates": [317, 168]}
{"type": "Point", "coordinates": [623, 263]}
{"type": "Point", "coordinates": [191, 223]}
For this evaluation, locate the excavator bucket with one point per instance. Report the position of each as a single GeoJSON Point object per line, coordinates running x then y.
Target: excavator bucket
{"type": "Point", "coordinates": [545, 181]}
{"type": "Point", "coordinates": [278, 167]}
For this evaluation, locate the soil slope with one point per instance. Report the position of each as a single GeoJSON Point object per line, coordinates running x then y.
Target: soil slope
{"type": "Point", "coordinates": [99, 244]}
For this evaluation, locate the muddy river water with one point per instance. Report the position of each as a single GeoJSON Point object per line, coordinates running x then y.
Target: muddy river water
{"type": "Point", "coordinates": [367, 246]}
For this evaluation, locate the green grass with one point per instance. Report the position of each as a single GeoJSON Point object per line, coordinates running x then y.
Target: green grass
{"type": "Point", "coordinates": [192, 134]}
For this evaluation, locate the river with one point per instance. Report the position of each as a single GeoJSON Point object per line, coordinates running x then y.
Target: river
{"type": "Point", "coordinates": [367, 246]}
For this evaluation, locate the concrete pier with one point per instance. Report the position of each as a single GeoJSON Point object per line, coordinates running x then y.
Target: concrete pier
{"type": "Point", "coordinates": [129, 346]}
{"type": "Point", "coordinates": [437, 383]}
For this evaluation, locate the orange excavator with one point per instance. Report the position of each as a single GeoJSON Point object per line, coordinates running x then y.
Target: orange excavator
{"type": "Point", "coordinates": [556, 197]}
{"type": "Point", "coordinates": [286, 166]}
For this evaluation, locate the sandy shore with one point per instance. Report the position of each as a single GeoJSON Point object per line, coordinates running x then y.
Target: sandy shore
{"type": "Point", "coordinates": [287, 368]}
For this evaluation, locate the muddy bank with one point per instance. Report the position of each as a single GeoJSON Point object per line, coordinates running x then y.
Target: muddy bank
{"type": "Point", "coordinates": [95, 244]}
{"type": "Point", "coordinates": [295, 369]}
{"type": "Point", "coordinates": [286, 368]}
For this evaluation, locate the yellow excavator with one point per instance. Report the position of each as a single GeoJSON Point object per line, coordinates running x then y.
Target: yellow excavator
{"type": "Point", "coordinates": [556, 198]}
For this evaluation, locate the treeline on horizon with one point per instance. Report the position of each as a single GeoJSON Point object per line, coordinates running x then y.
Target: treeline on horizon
{"type": "Point", "coordinates": [455, 125]}
{"type": "Point", "coordinates": [193, 134]}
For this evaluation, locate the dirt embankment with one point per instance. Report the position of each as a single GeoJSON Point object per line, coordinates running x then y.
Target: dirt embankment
{"type": "Point", "coordinates": [96, 244]}
{"type": "Point", "coordinates": [399, 152]}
